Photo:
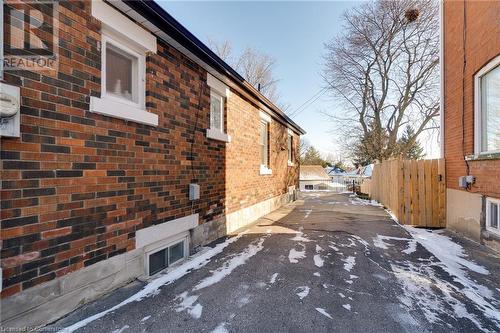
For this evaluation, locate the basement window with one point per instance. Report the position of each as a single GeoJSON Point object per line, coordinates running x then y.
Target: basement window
{"type": "Point", "coordinates": [493, 215]}
{"type": "Point", "coordinates": [309, 187]}
{"type": "Point", "coordinates": [166, 257]}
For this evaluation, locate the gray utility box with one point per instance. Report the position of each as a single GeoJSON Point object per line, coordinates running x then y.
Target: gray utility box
{"type": "Point", "coordinates": [194, 192]}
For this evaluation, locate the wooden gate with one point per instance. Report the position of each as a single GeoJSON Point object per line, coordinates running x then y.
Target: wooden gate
{"type": "Point", "coordinates": [414, 191]}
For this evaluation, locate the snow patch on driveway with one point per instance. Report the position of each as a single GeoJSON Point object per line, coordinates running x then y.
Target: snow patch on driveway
{"type": "Point", "coordinates": [318, 261]}
{"type": "Point", "coordinates": [295, 255]}
{"type": "Point", "coordinates": [230, 265]}
{"type": "Point", "coordinates": [419, 294]}
{"type": "Point", "coordinates": [299, 237]}
{"type": "Point", "coordinates": [349, 263]}
{"type": "Point", "coordinates": [380, 243]}
{"type": "Point", "coordinates": [453, 259]}
{"type": "Point", "coordinates": [121, 329]}
{"type": "Point", "coordinates": [333, 247]}
{"type": "Point", "coordinates": [187, 303]}
{"type": "Point", "coordinates": [355, 201]}
{"type": "Point", "coordinates": [221, 328]}
{"type": "Point", "coordinates": [347, 306]}
{"type": "Point", "coordinates": [302, 291]}
{"type": "Point", "coordinates": [324, 313]}
{"type": "Point", "coordinates": [451, 254]}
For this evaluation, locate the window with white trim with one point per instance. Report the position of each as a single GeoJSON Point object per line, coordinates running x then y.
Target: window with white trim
{"type": "Point", "coordinates": [264, 138]}
{"type": "Point", "coordinates": [493, 215]}
{"type": "Point", "coordinates": [124, 45]}
{"type": "Point", "coordinates": [216, 111]}
{"type": "Point", "coordinates": [290, 148]}
{"type": "Point", "coordinates": [123, 71]}
{"type": "Point", "coordinates": [487, 108]}
{"type": "Point", "coordinates": [219, 93]}
{"type": "Point", "coordinates": [264, 143]}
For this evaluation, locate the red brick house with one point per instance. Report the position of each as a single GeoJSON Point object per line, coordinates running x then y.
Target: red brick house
{"type": "Point", "coordinates": [126, 154]}
{"type": "Point", "coordinates": [471, 121]}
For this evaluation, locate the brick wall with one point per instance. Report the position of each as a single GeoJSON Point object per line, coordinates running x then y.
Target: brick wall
{"type": "Point", "coordinates": [482, 45]}
{"type": "Point", "coordinates": [244, 184]}
{"type": "Point", "coordinates": [77, 185]}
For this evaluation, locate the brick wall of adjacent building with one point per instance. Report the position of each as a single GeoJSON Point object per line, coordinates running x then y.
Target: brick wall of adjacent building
{"type": "Point", "coordinates": [77, 185]}
{"type": "Point", "coordinates": [245, 185]}
{"type": "Point", "coordinates": [482, 43]}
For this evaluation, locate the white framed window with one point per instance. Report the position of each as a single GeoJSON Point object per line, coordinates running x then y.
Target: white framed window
{"type": "Point", "coordinates": [493, 215]}
{"type": "Point", "coordinates": [289, 143]}
{"type": "Point", "coordinates": [264, 143]}
{"type": "Point", "coordinates": [487, 108]}
{"type": "Point", "coordinates": [219, 93]}
{"type": "Point", "coordinates": [217, 106]}
{"type": "Point", "coordinates": [123, 66]}
{"type": "Point", "coordinates": [167, 256]}
{"type": "Point", "coordinates": [264, 137]}
{"type": "Point", "coordinates": [123, 71]}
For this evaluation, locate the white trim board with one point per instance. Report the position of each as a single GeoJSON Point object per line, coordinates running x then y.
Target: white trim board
{"type": "Point", "coordinates": [215, 134]}
{"type": "Point", "coordinates": [122, 25]}
{"type": "Point", "coordinates": [156, 233]}
{"type": "Point", "coordinates": [264, 116]}
{"type": "Point", "coordinates": [109, 107]}
{"type": "Point", "coordinates": [218, 86]}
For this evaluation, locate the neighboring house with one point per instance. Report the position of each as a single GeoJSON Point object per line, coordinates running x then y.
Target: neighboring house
{"type": "Point", "coordinates": [141, 145]}
{"type": "Point", "coordinates": [334, 172]}
{"type": "Point", "coordinates": [360, 172]}
{"type": "Point", "coordinates": [313, 177]}
{"type": "Point", "coordinates": [471, 122]}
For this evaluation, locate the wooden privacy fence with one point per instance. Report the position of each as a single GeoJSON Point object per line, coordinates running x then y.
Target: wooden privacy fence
{"type": "Point", "coordinates": [413, 190]}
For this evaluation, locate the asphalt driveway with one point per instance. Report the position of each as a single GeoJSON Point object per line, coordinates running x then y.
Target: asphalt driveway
{"type": "Point", "coordinates": [326, 263]}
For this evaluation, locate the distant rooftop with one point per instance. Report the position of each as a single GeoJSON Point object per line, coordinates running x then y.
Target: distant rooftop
{"type": "Point", "coordinates": [313, 172]}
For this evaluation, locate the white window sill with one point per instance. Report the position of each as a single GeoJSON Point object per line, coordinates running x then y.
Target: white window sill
{"type": "Point", "coordinates": [494, 155]}
{"type": "Point", "coordinates": [112, 108]}
{"type": "Point", "coordinates": [218, 135]}
{"type": "Point", "coordinates": [290, 163]}
{"type": "Point", "coordinates": [265, 170]}
{"type": "Point", "coordinates": [493, 230]}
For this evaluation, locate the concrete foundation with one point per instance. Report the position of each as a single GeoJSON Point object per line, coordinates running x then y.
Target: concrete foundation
{"type": "Point", "coordinates": [246, 216]}
{"type": "Point", "coordinates": [47, 302]}
{"type": "Point", "coordinates": [207, 232]}
{"type": "Point", "coordinates": [465, 215]}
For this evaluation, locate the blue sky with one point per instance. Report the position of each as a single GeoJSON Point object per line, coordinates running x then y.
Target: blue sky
{"type": "Point", "coordinates": [291, 32]}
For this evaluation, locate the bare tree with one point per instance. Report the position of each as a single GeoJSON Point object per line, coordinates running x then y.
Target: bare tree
{"type": "Point", "coordinates": [383, 69]}
{"type": "Point", "coordinates": [303, 148]}
{"type": "Point", "coordinates": [256, 67]}
{"type": "Point", "coordinates": [223, 49]}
